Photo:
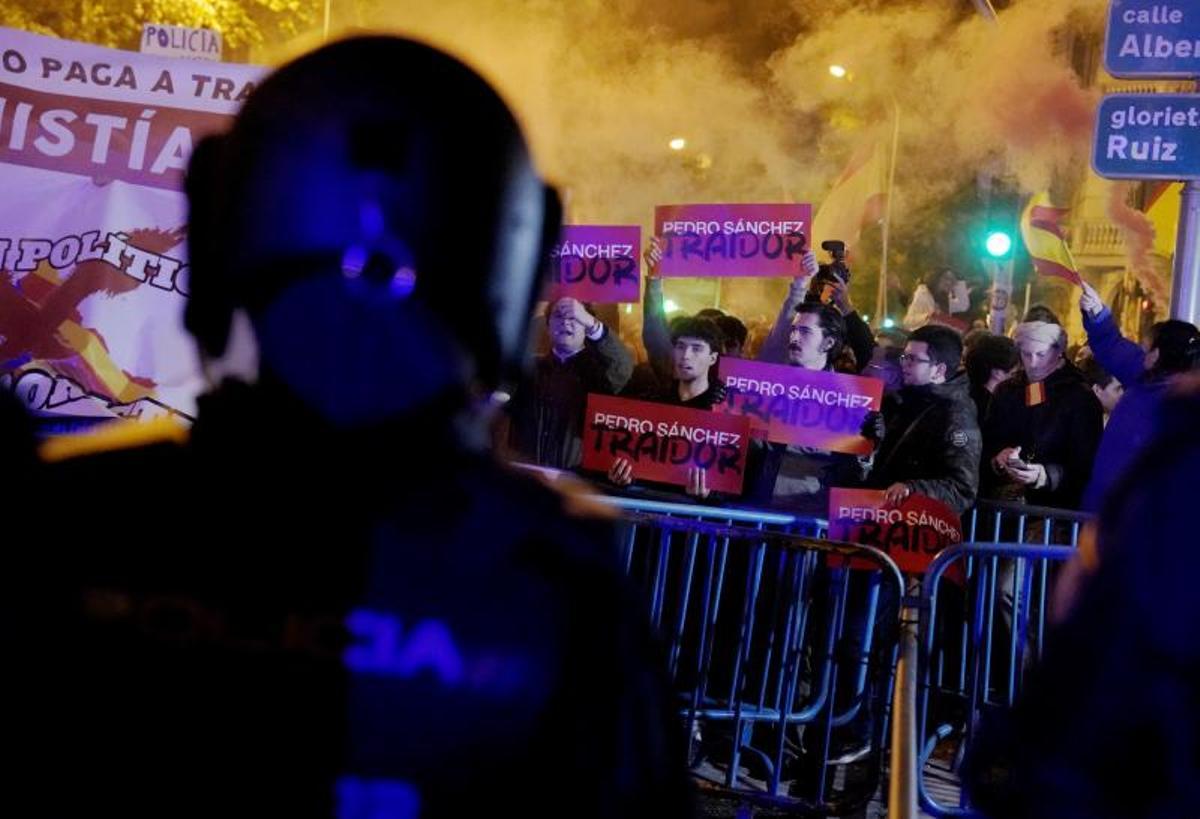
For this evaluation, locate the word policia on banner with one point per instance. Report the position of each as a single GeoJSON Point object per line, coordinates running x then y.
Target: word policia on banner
{"type": "Point", "coordinates": [155, 269]}
{"type": "Point", "coordinates": [181, 40]}
{"type": "Point", "coordinates": [664, 442]}
{"type": "Point", "coordinates": [912, 534]}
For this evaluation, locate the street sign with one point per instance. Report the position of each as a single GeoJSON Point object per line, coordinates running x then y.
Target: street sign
{"type": "Point", "coordinates": [1148, 136]}
{"type": "Point", "coordinates": [1153, 39]}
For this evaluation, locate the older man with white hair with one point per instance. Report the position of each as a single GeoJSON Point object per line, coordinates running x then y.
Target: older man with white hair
{"type": "Point", "coordinates": [1043, 426]}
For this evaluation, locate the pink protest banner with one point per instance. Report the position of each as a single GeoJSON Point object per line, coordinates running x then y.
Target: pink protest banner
{"type": "Point", "coordinates": [663, 442]}
{"type": "Point", "coordinates": [596, 263]}
{"type": "Point", "coordinates": [93, 257]}
{"type": "Point", "coordinates": [732, 240]}
{"type": "Point", "coordinates": [792, 405]}
{"type": "Point", "coordinates": [911, 533]}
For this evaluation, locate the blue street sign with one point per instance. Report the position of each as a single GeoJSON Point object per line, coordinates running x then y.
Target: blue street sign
{"type": "Point", "coordinates": [1148, 136]}
{"type": "Point", "coordinates": [1153, 39]}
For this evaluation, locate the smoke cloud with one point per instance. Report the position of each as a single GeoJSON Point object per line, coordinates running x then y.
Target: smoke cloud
{"type": "Point", "coordinates": [602, 87]}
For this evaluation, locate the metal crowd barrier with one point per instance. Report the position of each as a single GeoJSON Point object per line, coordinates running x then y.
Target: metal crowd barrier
{"type": "Point", "coordinates": [781, 656]}
{"type": "Point", "coordinates": [1000, 590]}
{"type": "Point", "coordinates": [993, 617]}
{"type": "Point", "coordinates": [763, 631]}
{"type": "Point", "coordinates": [1009, 522]}
{"type": "Point", "coordinates": [677, 505]}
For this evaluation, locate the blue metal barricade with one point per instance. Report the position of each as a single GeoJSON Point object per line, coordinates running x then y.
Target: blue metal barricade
{"type": "Point", "coordinates": [1011, 522]}
{"type": "Point", "coordinates": [781, 654]}
{"type": "Point", "coordinates": [1000, 587]}
{"type": "Point", "coordinates": [773, 652]}
{"type": "Point", "coordinates": [1000, 593]}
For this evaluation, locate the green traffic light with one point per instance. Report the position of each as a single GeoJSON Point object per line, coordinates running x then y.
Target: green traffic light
{"type": "Point", "coordinates": [998, 244]}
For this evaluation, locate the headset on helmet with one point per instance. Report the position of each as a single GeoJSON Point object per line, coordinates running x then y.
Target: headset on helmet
{"type": "Point", "coordinates": [388, 156]}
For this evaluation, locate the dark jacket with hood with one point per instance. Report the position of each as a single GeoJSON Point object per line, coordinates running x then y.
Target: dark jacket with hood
{"type": "Point", "coordinates": [932, 443]}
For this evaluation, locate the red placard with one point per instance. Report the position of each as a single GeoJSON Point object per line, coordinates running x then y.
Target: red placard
{"type": "Point", "coordinates": [911, 533]}
{"type": "Point", "coordinates": [732, 240]}
{"type": "Point", "coordinates": [793, 405]}
{"type": "Point", "coordinates": [663, 442]}
{"type": "Point", "coordinates": [596, 263]}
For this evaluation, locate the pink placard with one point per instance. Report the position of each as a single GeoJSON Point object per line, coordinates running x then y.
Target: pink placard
{"type": "Point", "coordinates": [793, 405]}
{"type": "Point", "coordinates": [732, 240]}
{"type": "Point", "coordinates": [596, 263]}
{"type": "Point", "coordinates": [663, 442]}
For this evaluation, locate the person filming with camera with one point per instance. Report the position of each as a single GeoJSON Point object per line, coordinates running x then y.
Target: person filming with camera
{"type": "Point", "coordinates": [822, 284]}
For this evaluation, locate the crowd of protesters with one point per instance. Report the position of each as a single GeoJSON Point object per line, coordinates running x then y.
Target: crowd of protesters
{"type": "Point", "coordinates": [967, 414]}
{"type": "Point", "coordinates": [145, 673]}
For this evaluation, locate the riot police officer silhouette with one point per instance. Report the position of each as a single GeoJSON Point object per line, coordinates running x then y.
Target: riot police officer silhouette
{"type": "Point", "coordinates": [330, 599]}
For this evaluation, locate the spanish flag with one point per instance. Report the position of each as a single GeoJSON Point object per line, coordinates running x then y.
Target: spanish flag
{"type": "Point", "coordinates": [857, 197]}
{"type": "Point", "coordinates": [1041, 228]}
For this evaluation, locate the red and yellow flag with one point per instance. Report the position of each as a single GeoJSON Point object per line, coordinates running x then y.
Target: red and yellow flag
{"type": "Point", "coordinates": [857, 197]}
{"type": "Point", "coordinates": [1035, 394]}
{"type": "Point", "coordinates": [1041, 228]}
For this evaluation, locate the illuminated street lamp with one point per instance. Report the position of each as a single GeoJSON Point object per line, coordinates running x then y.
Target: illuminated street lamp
{"type": "Point", "coordinates": [677, 144]}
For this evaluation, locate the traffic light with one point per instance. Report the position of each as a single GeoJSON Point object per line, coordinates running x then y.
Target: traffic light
{"type": "Point", "coordinates": [998, 244]}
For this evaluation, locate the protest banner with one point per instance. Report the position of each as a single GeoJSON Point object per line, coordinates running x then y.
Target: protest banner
{"type": "Point", "coordinates": [94, 143]}
{"type": "Point", "coordinates": [794, 405]}
{"type": "Point", "coordinates": [663, 442]}
{"type": "Point", "coordinates": [911, 533]}
{"type": "Point", "coordinates": [596, 264]}
{"type": "Point", "coordinates": [732, 240]}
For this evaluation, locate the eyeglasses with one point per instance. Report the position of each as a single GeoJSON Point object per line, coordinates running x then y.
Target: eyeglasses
{"type": "Point", "coordinates": [905, 358]}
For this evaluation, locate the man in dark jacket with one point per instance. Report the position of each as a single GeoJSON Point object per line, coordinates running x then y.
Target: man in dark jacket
{"type": "Point", "coordinates": [932, 441]}
{"type": "Point", "coordinates": [694, 355]}
{"type": "Point", "coordinates": [1043, 426]}
{"type": "Point", "coordinates": [547, 413]}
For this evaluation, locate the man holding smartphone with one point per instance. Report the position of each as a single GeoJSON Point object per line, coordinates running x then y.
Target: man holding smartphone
{"type": "Point", "coordinates": [1043, 426]}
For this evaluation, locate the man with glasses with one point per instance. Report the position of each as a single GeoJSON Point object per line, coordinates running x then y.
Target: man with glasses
{"type": "Point", "coordinates": [929, 434]}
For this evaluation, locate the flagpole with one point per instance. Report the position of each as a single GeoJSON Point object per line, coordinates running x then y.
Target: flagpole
{"type": "Point", "coordinates": [881, 294]}
{"type": "Point", "coordinates": [1185, 283]}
